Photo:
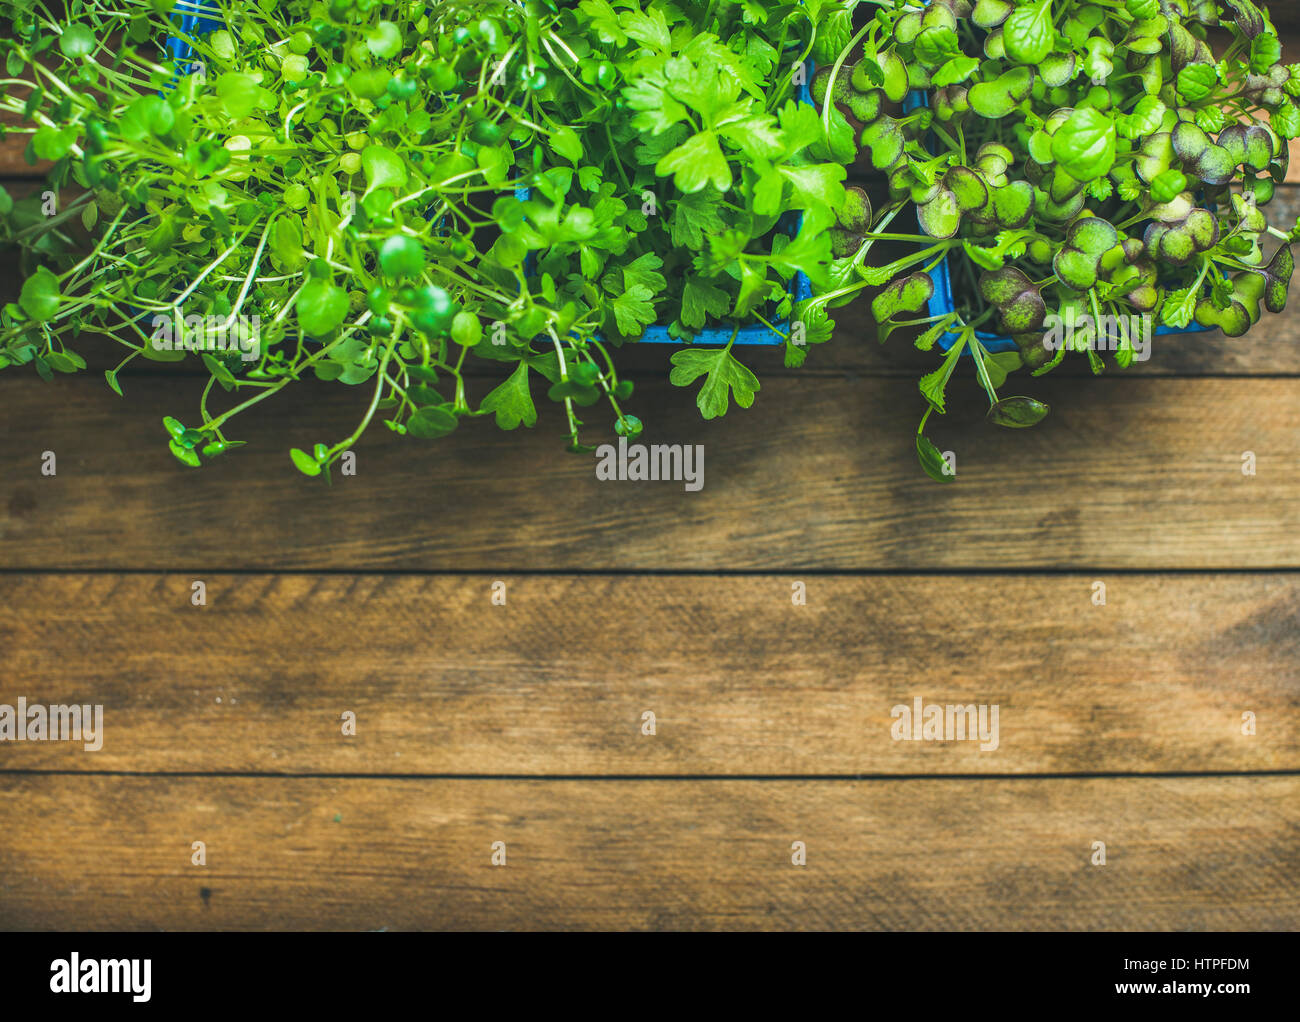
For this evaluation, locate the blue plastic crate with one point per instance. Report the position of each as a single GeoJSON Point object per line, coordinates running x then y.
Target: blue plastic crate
{"type": "Point", "coordinates": [197, 19]}
{"type": "Point", "coordinates": [941, 302]}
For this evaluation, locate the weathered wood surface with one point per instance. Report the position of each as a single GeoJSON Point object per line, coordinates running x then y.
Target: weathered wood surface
{"type": "Point", "coordinates": [739, 679]}
{"type": "Point", "coordinates": [367, 854]}
{"type": "Point", "coordinates": [820, 474]}
{"type": "Point", "coordinates": [521, 723]}
{"type": "Point", "coordinates": [13, 145]}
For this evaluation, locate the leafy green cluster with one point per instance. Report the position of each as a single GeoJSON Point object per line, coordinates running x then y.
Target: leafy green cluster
{"type": "Point", "coordinates": [343, 174]}
{"type": "Point", "coordinates": [1076, 161]}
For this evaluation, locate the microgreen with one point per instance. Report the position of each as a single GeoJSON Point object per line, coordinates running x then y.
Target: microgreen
{"type": "Point", "coordinates": [1076, 159]}
{"type": "Point", "coordinates": [348, 176]}
{"type": "Point", "coordinates": [459, 206]}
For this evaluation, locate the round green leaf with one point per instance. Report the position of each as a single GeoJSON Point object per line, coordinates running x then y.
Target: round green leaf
{"type": "Point", "coordinates": [902, 296]}
{"type": "Point", "coordinates": [996, 99]}
{"type": "Point", "coordinates": [51, 143]}
{"type": "Point", "coordinates": [1258, 147]}
{"type": "Point", "coordinates": [370, 82]}
{"type": "Point", "coordinates": [968, 188]}
{"type": "Point", "coordinates": [1197, 81]}
{"type": "Point", "coordinates": [1084, 146]}
{"type": "Point", "coordinates": [886, 141]}
{"type": "Point", "coordinates": [285, 243]}
{"type": "Point", "coordinates": [238, 94]}
{"type": "Point", "coordinates": [991, 13]}
{"type": "Point", "coordinates": [466, 330]}
{"type": "Point", "coordinates": [77, 41]}
{"type": "Point", "coordinates": [1168, 186]}
{"type": "Point", "coordinates": [935, 45]}
{"type": "Point", "coordinates": [1058, 69]}
{"type": "Point", "coordinates": [1189, 141]}
{"type": "Point", "coordinates": [1215, 166]}
{"type": "Point", "coordinates": [941, 215]}
{"type": "Point", "coordinates": [321, 307]}
{"type": "Point", "coordinates": [384, 39]}
{"type": "Point", "coordinates": [1093, 236]}
{"type": "Point", "coordinates": [39, 297]}
{"type": "Point", "coordinates": [146, 117]}
{"type": "Point", "coordinates": [400, 256]}
{"type": "Point", "coordinates": [1156, 155]}
{"type": "Point", "coordinates": [1145, 119]}
{"type": "Point", "coordinates": [383, 168]}
{"type": "Point", "coordinates": [1013, 204]}
{"type": "Point", "coordinates": [431, 422]}
{"type": "Point", "coordinates": [1027, 33]}
{"type": "Point", "coordinates": [304, 462]}
{"type": "Point", "coordinates": [1018, 412]}
{"type": "Point", "coordinates": [1075, 268]}
{"type": "Point", "coordinates": [895, 81]}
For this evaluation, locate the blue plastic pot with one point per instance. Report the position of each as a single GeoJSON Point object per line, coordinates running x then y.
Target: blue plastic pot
{"type": "Point", "coordinates": [196, 20]}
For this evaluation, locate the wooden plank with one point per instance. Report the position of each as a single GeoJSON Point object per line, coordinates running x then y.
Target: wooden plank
{"type": "Point", "coordinates": [821, 474]}
{"type": "Point", "coordinates": [739, 679]}
{"type": "Point", "coordinates": [13, 145]}
{"type": "Point", "coordinates": [97, 853]}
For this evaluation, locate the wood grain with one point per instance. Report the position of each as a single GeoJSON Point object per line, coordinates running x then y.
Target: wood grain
{"type": "Point", "coordinates": [13, 147]}
{"type": "Point", "coordinates": [820, 474]}
{"type": "Point", "coordinates": [1182, 854]}
{"type": "Point", "coordinates": [740, 680]}
{"type": "Point", "coordinates": [521, 723]}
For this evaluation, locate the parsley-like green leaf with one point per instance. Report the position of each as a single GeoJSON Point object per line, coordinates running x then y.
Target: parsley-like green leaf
{"type": "Point", "coordinates": [644, 270]}
{"type": "Point", "coordinates": [695, 163]}
{"type": "Point", "coordinates": [768, 190]}
{"type": "Point", "coordinates": [564, 140]}
{"type": "Point", "coordinates": [800, 125]}
{"type": "Point", "coordinates": [648, 94]}
{"type": "Point", "coordinates": [649, 29]}
{"type": "Point", "coordinates": [755, 135]}
{"type": "Point", "coordinates": [512, 401]}
{"type": "Point", "coordinates": [633, 310]}
{"type": "Point", "coordinates": [934, 384]}
{"type": "Point", "coordinates": [604, 19]}
{"type": "Point", "coordinates": [701, 299]}
{"type": "Point", "coordinates": [816, 184]}
{"type": "Point", "coordinates": [694, 218]}
{"type": "Point", "coordinates": [1179, 308]}
{"type": "Point", "coordinates": [725, 376]}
